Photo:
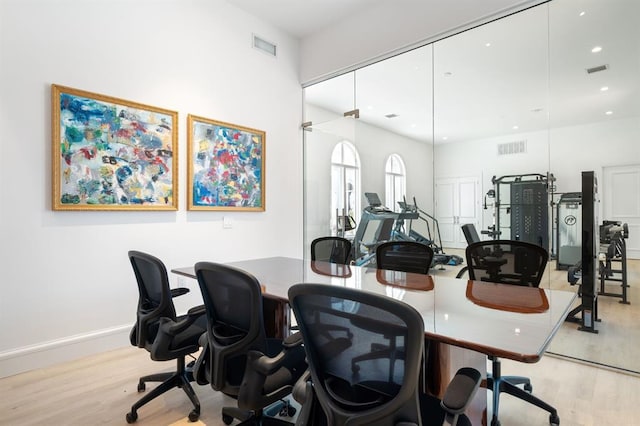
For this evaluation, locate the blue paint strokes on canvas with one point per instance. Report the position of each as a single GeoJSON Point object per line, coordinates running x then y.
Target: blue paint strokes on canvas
{"type": "Point", "coordinates": [111, 154]}
{"type": "Point", "coordinates": [228, 167]}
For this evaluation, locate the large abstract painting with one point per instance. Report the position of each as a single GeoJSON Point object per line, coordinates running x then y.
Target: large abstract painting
{"type": "Point", "coordinates": [112, 154]}
{"type": "Point", "coordinates": [226, 166]}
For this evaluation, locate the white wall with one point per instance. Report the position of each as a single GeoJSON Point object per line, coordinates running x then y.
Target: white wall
{"type": "Point", "coordinates": [388, 26]}
{"type": "Point", "coordinates": [67, 288]}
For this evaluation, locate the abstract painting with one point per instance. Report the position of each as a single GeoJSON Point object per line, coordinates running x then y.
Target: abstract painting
{"type": "Point", "coordinates": [112, 154]}
{"type": "Point", "coordinates": [226, 166]}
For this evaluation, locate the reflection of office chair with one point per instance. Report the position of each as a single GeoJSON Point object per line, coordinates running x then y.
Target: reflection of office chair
{"type": "Point", "coordinates": [471, 235]}
{"type": "Point", "coordinates": [517, 263]}
{"type": "Point", "coordinates": [381, 395]}
{"type": "Point", "coordinates": [331, 249]}
{"type": "Point", "coordinates": [405, 256]}
{"type": "Point", "coordinates": [237, 359]}
{"type": "Point", "coordinates": [161, 332]}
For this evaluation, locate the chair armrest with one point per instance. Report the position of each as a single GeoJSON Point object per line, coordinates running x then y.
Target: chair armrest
{"type": "Point", "coordinates": [197, 311]}
{"type": "Point", "coordinates": [292, 341]}
{"type": "Point", "coordinates": [461, 390]}
{"type": "Point", "coordinates": [175, 292]}
{"type": "Point", "coordinates": [266, 365]}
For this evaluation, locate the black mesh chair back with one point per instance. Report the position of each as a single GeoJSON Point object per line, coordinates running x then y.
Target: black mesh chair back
{"type": "Point", "coordinates": [154, 298]}
{"type": "Point", "coordinates": [331, 249]}
{"type": "Point", "coordinates": [507, 262]}
{"type": "Point", "coordinates": [470, 233]}
{"type": "Point", "coordinates": [161, 332]}
{"type": "Point", "coordinates": [386, 391]}
{"type": "Point", "coordinates": [406, 256]}
{"type": "Point", "coordinates": [517, 263]}
{"type": "Point", "coordinates": [235, 341]}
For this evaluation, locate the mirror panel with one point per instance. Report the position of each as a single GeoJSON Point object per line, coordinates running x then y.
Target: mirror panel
{"type": "Point", "coordinates": [490, 121]}
{"type": "Point", "coordinates": [595, 126]}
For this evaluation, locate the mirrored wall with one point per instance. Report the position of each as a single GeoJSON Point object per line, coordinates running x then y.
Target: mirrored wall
{"type": "Point", "coordinates": [534, 99]}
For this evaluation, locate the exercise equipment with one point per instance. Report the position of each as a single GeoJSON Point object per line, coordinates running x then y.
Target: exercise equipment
{"type": "Point", "coordinates": [613, 251]}
{"type": "Point", "coordinates": [588, 308]}
{"type": "Point", "coordinates": [522, 207]}
{"type": "Point", "coordinates": [380, 224]}
{"type": "Point", "coordinates": [568, 230]}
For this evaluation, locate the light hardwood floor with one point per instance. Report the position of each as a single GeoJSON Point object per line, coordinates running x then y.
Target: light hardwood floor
{"type": "Point", "coordinates": [100, 390]}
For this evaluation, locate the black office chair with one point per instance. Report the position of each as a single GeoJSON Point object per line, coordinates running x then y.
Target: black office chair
{"type": "Point", "coordinates": [331, 249]}
{"type": "Point", "coordinates": [405, 256]}
{"type": "Point", "coordinates": [380, 395]}
{"type": "Point", "coordinates": [161, 332]}
{"type": "Point", "coordinates": [517, 263]}
{"type": "Point", "coordinates": [237, 358]}
{"type": "Point", "coordinates": [471, 235]}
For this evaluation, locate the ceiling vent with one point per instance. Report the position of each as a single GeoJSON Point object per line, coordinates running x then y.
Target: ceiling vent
{"type": "Point", "coordinates": [510, 148]}
{"type": "Point", "coordinates": [391, 115]}
{"type": "Point", "coordinates": [597, 69]}
{"type": "Point", "coordinates": [264, 46]}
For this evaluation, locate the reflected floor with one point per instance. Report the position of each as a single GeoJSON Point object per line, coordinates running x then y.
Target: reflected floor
{"type": "Point", "coordinates": [615, 344]}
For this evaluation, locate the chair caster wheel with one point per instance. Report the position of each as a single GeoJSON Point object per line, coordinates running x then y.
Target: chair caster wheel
{"type": "Point", "coordinates": [227, 420]}
{"type": "Point", "coordinates": [132, 417]}
{"type": "Point", "coordinates": [528, 387]}
{"type": "Point", "coordinates": [554, 420]}
{"type": "Point", "coordinates": [194, 415]}
{"type": "Point", "coordinates": [141, 387]}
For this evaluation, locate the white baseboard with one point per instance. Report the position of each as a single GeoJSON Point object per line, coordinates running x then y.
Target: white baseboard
{"type": "Point", "coordinates": [67, 349]}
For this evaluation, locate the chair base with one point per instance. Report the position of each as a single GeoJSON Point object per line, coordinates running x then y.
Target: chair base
{"type": "Point", "coordinates": [181, 378]}
{"type": "Point", "coordinates": [508, 384]}
{"type": "Point", "coordinates": [250, 418]}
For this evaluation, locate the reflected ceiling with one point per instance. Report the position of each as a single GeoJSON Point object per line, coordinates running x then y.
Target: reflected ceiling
{"type": "Point", "coordinates": [506, 89]}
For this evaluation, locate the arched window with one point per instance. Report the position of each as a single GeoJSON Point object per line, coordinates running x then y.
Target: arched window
{"type": "Point", "coordinates": [395, 182]}
{"type": "Point", "coordinates": [345, 185]}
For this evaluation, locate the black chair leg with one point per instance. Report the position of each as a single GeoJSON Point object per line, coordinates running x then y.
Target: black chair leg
{"type": "Point", "coordinates": [180, 378]}
{"type": "Point", "coordinates": [499, 384]}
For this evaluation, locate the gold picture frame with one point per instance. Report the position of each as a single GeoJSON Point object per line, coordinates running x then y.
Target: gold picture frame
{"type": "Point", "coordinates": [112, 154]}
{"type": "Point", "coordinates": [226, 166]}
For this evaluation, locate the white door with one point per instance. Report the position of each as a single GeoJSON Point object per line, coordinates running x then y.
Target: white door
{"type": "Point", "coordinates": [457, 203]}
{"type": "Point", "coordinates": [621, 201]}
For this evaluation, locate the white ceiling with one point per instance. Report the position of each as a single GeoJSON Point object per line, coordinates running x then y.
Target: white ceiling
{"type": "Point", "coordinates": [301, 18]}
{"type": "Point", "coordinates": [531, 76]}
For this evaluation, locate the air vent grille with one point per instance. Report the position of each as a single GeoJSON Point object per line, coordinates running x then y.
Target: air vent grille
{"type": "Point", "coordinates": [391, 115]}
{"type": "Point", "coordinates": [510, 148]}
{"type": "Point", "coordinates": [597, 69]}
{"type": "Point", "coordinates": [264, 46]}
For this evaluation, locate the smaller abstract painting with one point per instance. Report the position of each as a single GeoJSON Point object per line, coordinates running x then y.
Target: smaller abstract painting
{"type": "Point", "coordinates": [226, 166]}
{"type": "Point", "coordinates": [111, 154]}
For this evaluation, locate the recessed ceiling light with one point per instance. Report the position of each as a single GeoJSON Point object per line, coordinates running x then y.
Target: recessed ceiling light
{"type": "Point", "coordinates": [596, 49]}
{"type": "Point", "coordinates": [369, 107]}
{"type": "Point", "coordinates": [413, 125]}
{"type": "Point", "coordinates": [582, 13]}
{"type": "Point", "coordinates": [604, 88]}
{"type": "Point", "coordinates": [609, 112]}
{"type": "Point", "coordinates": [444, 138]}
{"type": "Point", "coordinates": [515, 127]}
{"type": "Point", "coordinates": [488, 44]}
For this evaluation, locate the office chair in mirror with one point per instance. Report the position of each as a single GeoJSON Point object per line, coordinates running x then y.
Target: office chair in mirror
{"type": "Point", "coordinates": [331, 249]}
{"type": "Point", "coordinates": [237, 358]}
{"type": "Point", "coordinates": [387, 391]}
{"type": "Point", "coordinates": [402, 256]}
{"type": "Point", "coordinates": [514, 263]}
{"type": "Point", "coordinates": [165, 335]}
